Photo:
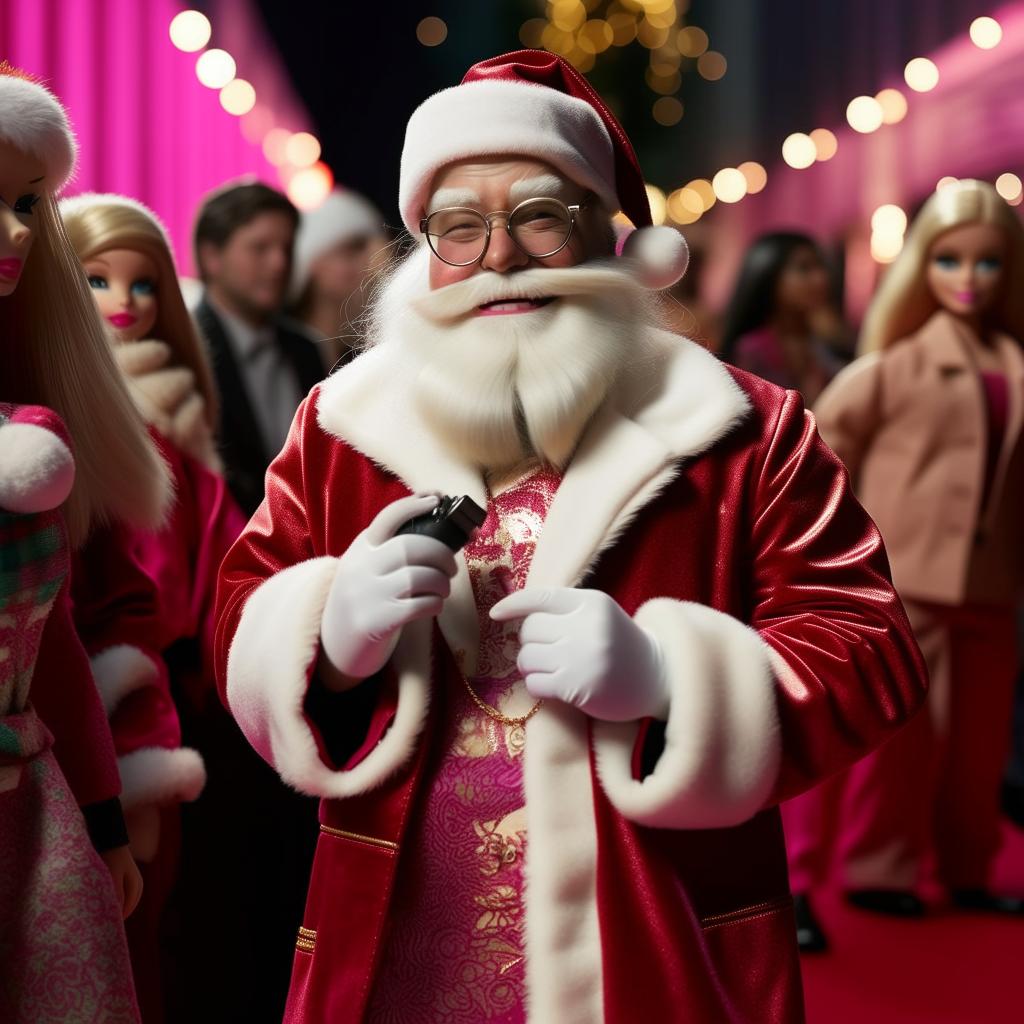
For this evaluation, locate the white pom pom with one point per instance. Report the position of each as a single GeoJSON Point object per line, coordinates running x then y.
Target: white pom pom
{"type": "Point", "coordinates": [660, 256]}
{"type": "Point", "coordinates": [36, 468]}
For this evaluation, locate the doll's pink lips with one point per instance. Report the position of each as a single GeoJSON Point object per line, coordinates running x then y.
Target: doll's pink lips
{"type": "Point", "coordinates": [10, 269]}
{"type": "Point", "coordinates": [503, 307]}
{"type": "Point", "coordinates": [967, 298]}
{"type": "Point", "coordinates": [122, 319]}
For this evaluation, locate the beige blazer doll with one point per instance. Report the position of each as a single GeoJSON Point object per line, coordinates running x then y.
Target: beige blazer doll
{"type": "Point", "coordinates": [910, 424]}
{"type": "Point", "coordinates": [928, 422]}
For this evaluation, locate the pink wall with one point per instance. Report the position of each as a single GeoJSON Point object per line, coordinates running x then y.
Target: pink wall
{"type": "Point", "coordinates": [146, 126]}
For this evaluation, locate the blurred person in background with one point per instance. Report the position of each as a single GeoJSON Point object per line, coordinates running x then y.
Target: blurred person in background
{"type": "Point", "coordinates": [335, 249]}
{"type": "Point", "coordinates": [263, 362]}
{"type": "Point", "coordinates": [928, 422]}
{"type": "Point", "coordinates": [780, 322]}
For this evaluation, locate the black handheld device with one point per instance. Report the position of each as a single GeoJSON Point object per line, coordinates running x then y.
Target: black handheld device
{"type": "Point", "coordinates": [452, 522]}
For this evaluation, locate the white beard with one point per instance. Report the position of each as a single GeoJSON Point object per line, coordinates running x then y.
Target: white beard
{"type": "Point", "coordinates": [499, 390]}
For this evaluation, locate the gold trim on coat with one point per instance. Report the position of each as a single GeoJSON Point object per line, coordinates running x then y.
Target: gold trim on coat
{"type": "Point", "coordinates": [306, 940]}
{"type": "Point", "coordinates": [384, 844]}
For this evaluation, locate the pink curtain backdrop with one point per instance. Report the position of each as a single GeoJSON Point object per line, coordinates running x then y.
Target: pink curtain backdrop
{"type": "Point", "coordinates": [970, 125]}
{"type": "Point", "coordinates": [146, 126]}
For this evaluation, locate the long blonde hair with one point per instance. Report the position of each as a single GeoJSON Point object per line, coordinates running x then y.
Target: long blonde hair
{"type": "Point", "coordinates": [904, 300]}
{"type": "Point", "coordinates": [98, 223]}
{"type": "Point", "coordinates": [54, 352]}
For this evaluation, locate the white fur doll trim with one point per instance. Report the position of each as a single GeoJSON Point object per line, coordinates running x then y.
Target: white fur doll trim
{"type": "Point", "coordinates": [722, 745]}
{"type": "Point", "coordinates": [37, 469]}
{"type": "Point", "coordinates": [121, 670]}
{"type": "Point", "coordinates": [160, 775]}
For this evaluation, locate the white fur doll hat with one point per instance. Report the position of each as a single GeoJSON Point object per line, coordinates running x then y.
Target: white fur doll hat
{"type": "Point", "coordinates": [35, 122]}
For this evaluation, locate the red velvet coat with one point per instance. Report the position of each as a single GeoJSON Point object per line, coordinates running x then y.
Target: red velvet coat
{"type": "Point", "coordinates": [706, 505]}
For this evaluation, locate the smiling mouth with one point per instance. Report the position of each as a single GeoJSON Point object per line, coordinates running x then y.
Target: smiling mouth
{"type": "Point", "coordinates": [502, 307]}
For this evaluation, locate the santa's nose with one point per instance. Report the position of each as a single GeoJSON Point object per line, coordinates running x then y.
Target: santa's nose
{"type": "Point", "coordinates": [502, 253]}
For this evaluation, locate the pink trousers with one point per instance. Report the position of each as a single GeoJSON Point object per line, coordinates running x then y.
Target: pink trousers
{"type": "Point", "coordinates": [934, 787]}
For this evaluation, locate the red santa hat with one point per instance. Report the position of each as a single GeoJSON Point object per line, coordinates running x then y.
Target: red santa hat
{"type": "Point", "coordinates": [536, 104]}
{"type": "Point", "coordinates": [33, 120]}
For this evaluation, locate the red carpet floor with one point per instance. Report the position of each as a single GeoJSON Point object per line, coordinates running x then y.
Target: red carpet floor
{"type": "Point", "coordinates": [950, 968]}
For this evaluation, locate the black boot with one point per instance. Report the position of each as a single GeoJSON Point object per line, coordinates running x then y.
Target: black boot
{"type": "Point", "coordinates": [984, 902]}
{"type": "Point", "coordinates": [810, 938]}
{"type": "Point", "coordinates": [894, 902]}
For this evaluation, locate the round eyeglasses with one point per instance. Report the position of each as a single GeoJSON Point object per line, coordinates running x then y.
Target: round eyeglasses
{"type": "Point", "coordinates": [459, 235]}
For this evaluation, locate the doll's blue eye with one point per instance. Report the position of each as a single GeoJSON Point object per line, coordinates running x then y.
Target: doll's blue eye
{"type": "Point", "coordinates": [990, 264]}
{"type": "Point", "coordinates": [947, 262]}
{"type": "Point", "coordinates": [144, 286]}
{"type": "Point", "coordinates": [95, 281]}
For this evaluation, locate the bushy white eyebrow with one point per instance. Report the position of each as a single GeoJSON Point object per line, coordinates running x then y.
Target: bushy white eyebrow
{"type": "Point", "coordinates": [546, 185]}
{"type": "Point", "coordinates": [445, 197]}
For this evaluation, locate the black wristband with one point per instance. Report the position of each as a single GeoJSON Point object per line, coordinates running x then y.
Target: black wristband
{"type": "Point", "coordinates": [105, 824]}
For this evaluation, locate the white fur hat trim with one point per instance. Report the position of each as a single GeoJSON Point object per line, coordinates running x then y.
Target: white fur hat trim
{"type": "Point", "coordinates": [491, 118]}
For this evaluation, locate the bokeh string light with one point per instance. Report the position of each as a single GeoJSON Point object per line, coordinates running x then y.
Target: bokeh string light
{"type": "Point", "coordinates": [1009, 186]}
{"type": "Point", "coordinates": [306, 178]}
{"type": "Point", "coordinates": [190, 31]}
{"type": "Point", "coordinates": [799, 151]}
{"type": "Point", "coordinates": [921, 74]}
{"type": "Point", "coordinates": [215, 68]}
{"type": "Point", "coordinates": [582, 31]}
{"type": "Point", "coordinates": [238, 97]}
{"type": "Point", "coordinates": [986, 33]}
{"type": "Point", "coordinates": [865, 114]}
{"type": "Point", "coordinates": [431, 31]}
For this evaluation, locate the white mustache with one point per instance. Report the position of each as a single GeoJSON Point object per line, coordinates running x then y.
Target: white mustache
{"type": "Point", "coordinates": [598, 277]}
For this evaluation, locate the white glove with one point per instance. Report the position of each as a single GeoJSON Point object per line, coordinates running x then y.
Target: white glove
{"type": "Point", "coordinates": [383, 582]}
{"type": "Point", "coordinates": [580, 647]}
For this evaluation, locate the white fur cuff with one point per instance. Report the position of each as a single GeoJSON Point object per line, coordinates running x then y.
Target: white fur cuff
{"type": "Point", "coordinates": [121, 670]}
{"type": "Point", "coordinates": [158, 775]}
{"type": "Point", "coordinates": [270, 663]}
{"type": "Point", "coordinates": [722, 747]}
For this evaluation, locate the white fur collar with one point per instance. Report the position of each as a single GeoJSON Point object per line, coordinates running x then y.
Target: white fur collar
{"type": "Point", "coordinates": [675, 392]}
{"type": "Point", "coordinates": [674, 401]}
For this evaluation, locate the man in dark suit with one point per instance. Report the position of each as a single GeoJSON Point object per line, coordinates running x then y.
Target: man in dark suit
{"type": "Point", "coordinates": [248, 842]}
{"type": "Point", "coordinates": [264, 362]}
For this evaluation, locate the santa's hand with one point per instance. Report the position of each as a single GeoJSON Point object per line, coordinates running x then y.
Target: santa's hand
{"type": "Point", "coordinates": [580, 647]}
{"type": "Point", "coordinates": [382, 583]}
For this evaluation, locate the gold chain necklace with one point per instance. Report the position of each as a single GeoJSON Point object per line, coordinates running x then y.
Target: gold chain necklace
{"type": "Point", "coordinates": [494, 713]}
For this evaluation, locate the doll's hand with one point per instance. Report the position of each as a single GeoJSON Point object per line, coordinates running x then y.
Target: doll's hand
{"type": "Point", "coordinates": [143, 824]}
{"type": "Point", "coordinates": [127, 878]}
{"type": "Point", "coordinates": [580, 647]}
{"type": "Point", "coordinates": [382, 583]}
{"type": "Point", "coordinates": [37, 469]}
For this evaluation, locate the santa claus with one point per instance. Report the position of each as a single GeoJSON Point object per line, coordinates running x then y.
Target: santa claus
{"type": "Point", "coordinates": [550, 763]}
